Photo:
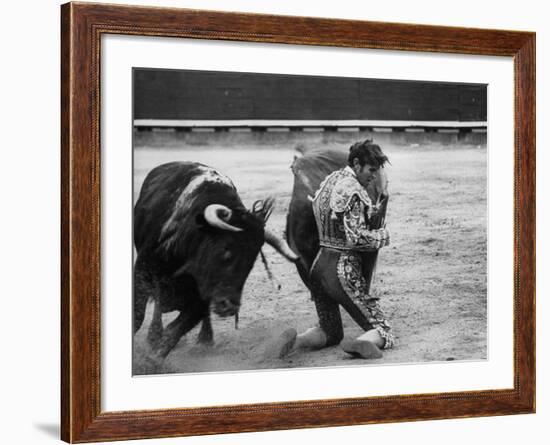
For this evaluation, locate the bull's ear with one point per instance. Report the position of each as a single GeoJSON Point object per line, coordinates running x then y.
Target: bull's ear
{"type": "Point", "coordinates": [264, 208]}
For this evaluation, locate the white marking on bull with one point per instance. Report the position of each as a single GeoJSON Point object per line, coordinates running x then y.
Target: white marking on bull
{"type": "Point", "coordinates": [185, 200]}
{"type": "Point", "coordinates": [206, 175]}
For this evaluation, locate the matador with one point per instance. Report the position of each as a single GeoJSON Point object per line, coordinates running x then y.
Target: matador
{"type": "Point", "coordinates": [341, 275]}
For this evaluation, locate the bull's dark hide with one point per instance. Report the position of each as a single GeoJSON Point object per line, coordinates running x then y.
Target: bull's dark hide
{"type": "Point", "coordinates": [184, 262]}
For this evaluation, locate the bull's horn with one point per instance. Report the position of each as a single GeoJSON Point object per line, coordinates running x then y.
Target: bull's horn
{"type": "Point", "coordinates": [216, 214]}
{"type": "Point", "coordinates": [280, 245]}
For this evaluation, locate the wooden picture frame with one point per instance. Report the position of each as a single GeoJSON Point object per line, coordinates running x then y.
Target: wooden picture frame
{"type": "Point", "coordinates": [82, 26]}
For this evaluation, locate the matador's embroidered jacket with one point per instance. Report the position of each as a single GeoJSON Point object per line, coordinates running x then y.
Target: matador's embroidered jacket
{"type": "Point", "coordinates": [342, 209]}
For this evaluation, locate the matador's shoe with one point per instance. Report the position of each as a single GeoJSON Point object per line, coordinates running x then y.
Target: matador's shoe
{"type": "Point", "coordinates": [361, 348]}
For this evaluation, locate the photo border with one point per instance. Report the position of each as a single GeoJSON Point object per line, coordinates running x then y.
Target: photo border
{"type": "Point", "coordinates": [82, 26]}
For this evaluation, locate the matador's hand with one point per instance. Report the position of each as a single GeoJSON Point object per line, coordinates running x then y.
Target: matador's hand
{"type": "Point", "coordinates": [378, 238]}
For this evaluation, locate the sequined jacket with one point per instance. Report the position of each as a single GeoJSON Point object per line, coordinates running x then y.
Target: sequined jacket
{"type": "Point", "coordinates": [342, 209]}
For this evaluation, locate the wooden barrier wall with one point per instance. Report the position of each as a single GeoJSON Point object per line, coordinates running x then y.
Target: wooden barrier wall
{"type": "Point", "coordinates": [194, 95]}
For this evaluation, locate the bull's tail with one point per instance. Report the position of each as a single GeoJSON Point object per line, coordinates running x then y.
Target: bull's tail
{"type": "Point", "coordinates": [273, 280]}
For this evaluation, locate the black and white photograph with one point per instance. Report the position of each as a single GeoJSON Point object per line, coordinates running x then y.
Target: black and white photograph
{"type": "Point", "coordinates": [285, 221]}
{"type": "Point", "coordinates": [242, 222]}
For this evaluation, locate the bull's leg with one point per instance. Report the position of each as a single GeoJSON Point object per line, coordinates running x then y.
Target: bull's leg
{"type": "Point", "coordinates": [188, 318]}
{"type": "Point", "coordinates": [155, 328]}
{"type": "Point", "coordinates": [206, 334]}
{"type": "Point", "coordinates": [144, 288]}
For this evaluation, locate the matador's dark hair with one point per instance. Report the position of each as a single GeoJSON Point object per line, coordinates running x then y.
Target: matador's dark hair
{"type": "Point", "coordinates": [367, 153]}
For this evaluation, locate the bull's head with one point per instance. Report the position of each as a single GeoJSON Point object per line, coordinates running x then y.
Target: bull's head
{"type": "Point", "coordinates": [223, 250]}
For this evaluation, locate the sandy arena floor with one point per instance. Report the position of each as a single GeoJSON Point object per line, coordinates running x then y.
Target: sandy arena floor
{"type": "Point", "coordinates": [431, 280]}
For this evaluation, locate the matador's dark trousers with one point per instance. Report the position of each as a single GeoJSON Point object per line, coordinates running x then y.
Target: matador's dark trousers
{"type": "Point", "coordinates": [339, 278]}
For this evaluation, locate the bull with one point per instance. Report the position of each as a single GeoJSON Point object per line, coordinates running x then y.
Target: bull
{"type": "Point", "coordinates": [301, 231]}
{"type": "Point", "coordinates": [196, 244]}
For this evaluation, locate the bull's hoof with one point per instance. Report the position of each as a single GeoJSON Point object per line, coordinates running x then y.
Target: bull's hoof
{"type": "Point", "coordinates": [153, 365]}
{"type": "Point", "coordinates": [282, 346]}
{"type": "Point", "coordinates": [205, 340]}
{"type": "Point", "coordinates": [361, 348]}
